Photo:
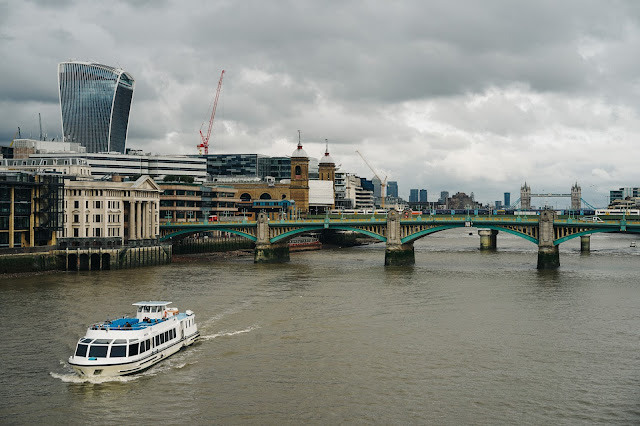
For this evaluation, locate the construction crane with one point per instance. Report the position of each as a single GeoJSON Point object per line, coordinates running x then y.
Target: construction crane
{"type": "Point", "coordinates": [14, 137]}
{"type": "Point", "coordinates": [205, 140]}
{"type": "Point", "coordinates": [383, 183]}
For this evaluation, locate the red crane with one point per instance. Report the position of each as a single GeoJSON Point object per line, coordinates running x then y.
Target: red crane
{"type": "Point", "coordinates": [205, 140]}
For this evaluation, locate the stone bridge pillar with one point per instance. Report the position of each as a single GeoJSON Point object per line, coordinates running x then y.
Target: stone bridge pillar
{"type": "Point", "coordinates": [548, 253]}
{"type": "Point", "coordinates": [488, 239]}
{"type": "Point", "coordinates": [585, 243]}
{"type": "Point", "coordinates": [266, 252]}
{"type": "Point", "coordinates": [397, 253]}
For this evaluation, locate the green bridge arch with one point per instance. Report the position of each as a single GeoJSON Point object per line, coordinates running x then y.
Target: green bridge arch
{"type": "Point", "coordinates": [206, 229]}
{"type": "Point", "coordinates": [294, 232]}
{"type": "Point", "coordinates": [418, 235]}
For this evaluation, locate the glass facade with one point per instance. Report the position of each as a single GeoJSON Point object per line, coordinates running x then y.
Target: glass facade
{"type": "Point", "coordinates": [95, 101]}
{"type": "Point", "coordinates": [392, 189]}
{"type": "Point", "coordinates": [252, 165]}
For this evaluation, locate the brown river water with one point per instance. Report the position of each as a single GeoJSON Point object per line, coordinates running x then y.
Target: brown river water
{"type": "Point", "coordinates": [335, 337]}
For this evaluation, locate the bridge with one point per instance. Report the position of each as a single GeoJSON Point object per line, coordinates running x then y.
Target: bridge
{"type": "Point", "coordinates": [399, 230]}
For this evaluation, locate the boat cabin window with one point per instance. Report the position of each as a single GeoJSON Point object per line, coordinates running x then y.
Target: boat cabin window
{"type": "Point", "coordinates": [133, 349]}
{"type": "Point", "coordinates": [118, 351]}
{"type": "Point", "coordinates": [102, 341]}
{"type": "Point", "coordinates": [98, 351]}
{"type": "Point", "coordinates": [81, 350]}
{"type": "Point", "coordinates": [120, 342]}
{"type": "Point", "coordinates": [85, 340]}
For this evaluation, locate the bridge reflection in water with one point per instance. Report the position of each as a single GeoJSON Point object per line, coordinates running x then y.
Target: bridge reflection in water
{"type": "Point", "coordinates": [399, 230]}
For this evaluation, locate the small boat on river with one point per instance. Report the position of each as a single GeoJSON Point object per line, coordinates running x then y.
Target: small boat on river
{"type": "Point", "coordinates": [130, 345]}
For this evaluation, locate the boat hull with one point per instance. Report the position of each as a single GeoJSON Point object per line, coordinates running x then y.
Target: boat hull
{"type": "Point", "coordinates": [99, 369]}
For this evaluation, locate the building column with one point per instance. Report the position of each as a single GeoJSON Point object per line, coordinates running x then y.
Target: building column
{"type": "Point", "coordinates": [138, 220]}
{"type": "Point", "coordinates": [132, 221]}
{"type": "Point", "coordinates": [152, 221]}
{"type": "Point", "coordinates": [145, 221]}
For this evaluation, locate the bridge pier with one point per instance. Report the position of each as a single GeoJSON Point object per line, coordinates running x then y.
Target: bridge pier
{"type": "Point", "coordinates": [585, 243]}
{"type": "Point", "coordinates": [265, 251]}
{"type": "Point", "coordinates": [548, 253]}
{"type": "Point", "coordinates": [397, 253]}
{"type": "Point", "coordinates": [488, 239]}
{"type": "Point", "coordinates": [271, 253]}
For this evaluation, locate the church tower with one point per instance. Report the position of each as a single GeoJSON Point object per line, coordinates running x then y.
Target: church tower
{"type": "Point", "coordinates": [326, 166]}
{"type": "Point", "coordinates": [327, 169]}
{"type": "Point", "coordinates": [299, 187]}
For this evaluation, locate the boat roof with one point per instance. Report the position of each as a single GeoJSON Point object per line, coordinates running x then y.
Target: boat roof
{"type": "Point", "coordinates": [151, 303]}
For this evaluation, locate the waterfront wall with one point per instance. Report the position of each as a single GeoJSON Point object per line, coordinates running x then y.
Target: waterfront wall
{"type": "Point", "coordinates": [29, 262]}
{"type": "Point", "coordinates": [209, 245]}
{"type": "Point", "coordinates": [87, 259]}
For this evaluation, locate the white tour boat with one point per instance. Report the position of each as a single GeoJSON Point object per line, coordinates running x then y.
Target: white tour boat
{"type": "Point", "coordinates": [130, 345]}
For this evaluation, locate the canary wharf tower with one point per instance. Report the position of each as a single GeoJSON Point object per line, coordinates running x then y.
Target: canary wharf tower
{"type": "Point", "coordinates": [95, 101]}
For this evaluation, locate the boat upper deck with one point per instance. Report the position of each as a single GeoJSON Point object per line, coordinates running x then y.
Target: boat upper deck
{"type": "Point", "coordinates": [134, 323]}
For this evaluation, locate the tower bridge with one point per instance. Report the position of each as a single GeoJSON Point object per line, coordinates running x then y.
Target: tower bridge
{"type": "Point", "coordinates": [399, 231]}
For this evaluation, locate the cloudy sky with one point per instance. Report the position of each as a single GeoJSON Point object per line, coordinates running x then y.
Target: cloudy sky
{"type": "Point", "coordinates": [469, 96]}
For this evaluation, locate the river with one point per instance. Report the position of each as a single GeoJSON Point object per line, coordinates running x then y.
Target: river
{"type": "Point", "coordinates": [334, 336]}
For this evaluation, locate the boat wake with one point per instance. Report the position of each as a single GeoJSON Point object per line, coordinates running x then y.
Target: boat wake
{"type": "Point", "coordinates": [229, 333]}
{"type": "Point", "coordinates": [230, 311]}
{"type": "Point", "coordinates": [74, 378]}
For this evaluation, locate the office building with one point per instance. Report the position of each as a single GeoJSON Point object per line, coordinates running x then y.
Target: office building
{"type": "Point", "coordinates": [623, 194]}
{"type": "Point", "coordinates": [31, 208]}
{"type": "Point", "coordinates": [95, 101]}
{"type": "Point", "coordinates": [105, 165]}
{"type": "Point", "coordinates": [423, 196]}
{"type": "Point", "coordinates": [392, 189]}
{"type": "Point", "coordinates": [444, 195]}
{"type": "Point", "coordinates": [507, 199]}
{"type": "Point", "coordinates": [413, 195]}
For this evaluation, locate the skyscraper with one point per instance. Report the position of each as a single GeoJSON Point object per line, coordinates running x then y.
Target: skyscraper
{"type": "Point", "coordinates": [423, 196]}
{"type": "Point", "coordinates": [507, 199]}
{"type": "Point", "coordinates": [413, 195]}
{"type": "Point", "coordinates": [95, 101]}
{"type": "Point", "coordinates": [392, 188]}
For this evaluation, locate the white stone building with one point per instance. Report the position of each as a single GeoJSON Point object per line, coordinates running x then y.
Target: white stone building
{"type": "Point", "coordinates": [110, 212]}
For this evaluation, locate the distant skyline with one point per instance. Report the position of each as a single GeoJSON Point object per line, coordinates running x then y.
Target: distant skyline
{"type": "Point", "coordinates": [447, 96]}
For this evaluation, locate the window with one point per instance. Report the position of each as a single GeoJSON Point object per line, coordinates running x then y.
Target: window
{"type": "Point", "coordinates": [98, 351]}
{"type": "Point", "coordinates": [97, 218]}
{"type": "Point", "coordinates": [133, 349]}
{"type": "Point", "coordinates": [82, 350]}
{"type": "Point", "coordinates": [76, 232]}
{"type": "Point", "coordinates": [98, 204]}
{"type": "Point", "coordinates": [76, 204]}
{"type": "Point", "coordinates": [76, 218]}
{"type": "Point", "coordinates": [118, 351]}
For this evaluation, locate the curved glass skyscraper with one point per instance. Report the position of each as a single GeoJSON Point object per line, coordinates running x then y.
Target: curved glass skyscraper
{"type": "Point", "coordinates": [95, 101]}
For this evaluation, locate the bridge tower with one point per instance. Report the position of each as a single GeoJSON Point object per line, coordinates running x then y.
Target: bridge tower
{"type": "Point", "coordinates": [266, 252]}
{"type": "Point", "coordinates": [548, 253]}
{"type": "Point", "coordinates": [525, 197]}
{"type": "Point", "coordinates": [396, 253]}
{"type": "Point", "coordinates": [576, 197]}
{"type": "Point", "coordinates": [299, 187]}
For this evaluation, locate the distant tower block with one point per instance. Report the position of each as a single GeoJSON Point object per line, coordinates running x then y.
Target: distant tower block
{"type": "Point", "coordinates": [525, 197]}
{"type": "Point", "coordinates": [576, 197]}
